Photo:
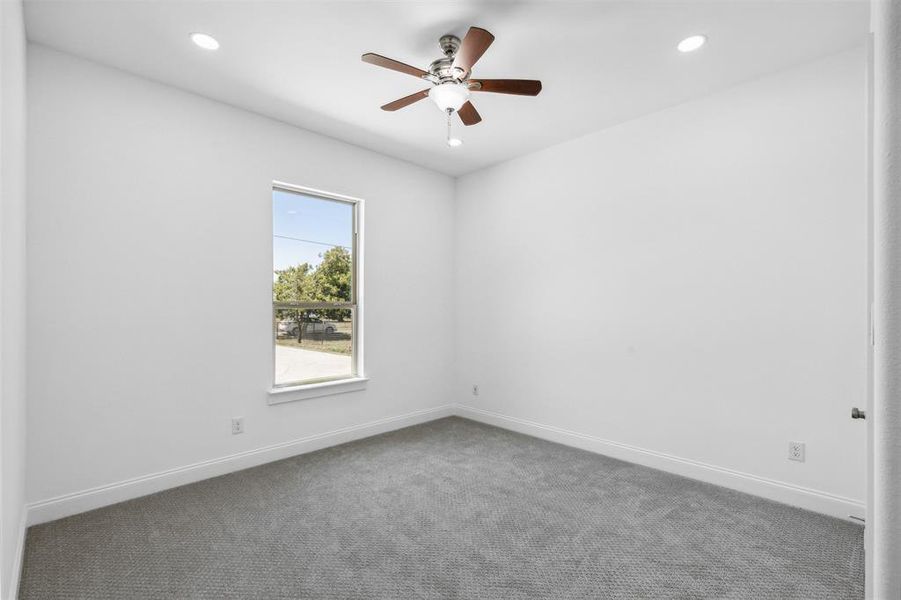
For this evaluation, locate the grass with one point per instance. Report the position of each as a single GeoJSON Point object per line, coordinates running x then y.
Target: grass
{"type": "Point", "coordinates": [339, 342]}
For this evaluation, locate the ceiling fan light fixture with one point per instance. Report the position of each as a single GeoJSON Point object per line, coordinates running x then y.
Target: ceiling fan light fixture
{"type": "Point", "coordinates": [450, 81]}
{"type": "Point", "coordinates": [449, 95]}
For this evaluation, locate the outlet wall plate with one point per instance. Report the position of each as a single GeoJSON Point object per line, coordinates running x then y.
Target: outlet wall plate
{"type": "Point", "coordinates": [237, 425]}
{"type": "Point", "coordinates": [475, 390]}
{"type": "Point", "coordinates": [796, 451]}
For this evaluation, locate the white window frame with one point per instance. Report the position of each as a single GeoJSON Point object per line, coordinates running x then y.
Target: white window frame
{"type": "Point", "coordinates": [357, 380]}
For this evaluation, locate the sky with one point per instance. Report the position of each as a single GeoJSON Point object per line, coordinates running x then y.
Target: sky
{"type": "Point", "coordinates": [304, 226]}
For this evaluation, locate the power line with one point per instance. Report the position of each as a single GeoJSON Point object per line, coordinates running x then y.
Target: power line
{"type": "Point", "coordinates": [286, 237]}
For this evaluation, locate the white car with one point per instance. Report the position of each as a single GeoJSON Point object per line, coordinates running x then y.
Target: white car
{"type": "Point", "coordinates": [310, 325]}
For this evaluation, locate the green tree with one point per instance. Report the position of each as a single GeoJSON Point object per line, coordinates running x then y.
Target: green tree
{"type": "Point", "coordinates": [293, 284]}
{"type": "Point", "coordinates": [331, 281]}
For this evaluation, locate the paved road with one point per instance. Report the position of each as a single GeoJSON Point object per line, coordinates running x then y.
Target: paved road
{"type": "Point", "coordinates": [297, 364]}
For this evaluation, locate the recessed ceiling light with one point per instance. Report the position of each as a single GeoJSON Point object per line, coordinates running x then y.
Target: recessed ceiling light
{"type": "Point", "coordinates": [692, 43]}
{"type": "Point", "coordinates": [205, 41]}
{"type": "Point", "coordinates": [454, 142]}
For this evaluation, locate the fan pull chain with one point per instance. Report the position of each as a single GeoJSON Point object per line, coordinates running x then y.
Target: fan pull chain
{"type": "Point", "coordinates": [449, 111]}
{"type": "Point", "coordinates": [451, 141]}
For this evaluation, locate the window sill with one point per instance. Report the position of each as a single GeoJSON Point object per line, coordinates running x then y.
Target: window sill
{"type": "Point", "coordinates": [281, 395]}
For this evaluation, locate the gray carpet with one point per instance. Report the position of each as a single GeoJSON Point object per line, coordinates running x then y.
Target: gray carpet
{"type": "Point", "coordinates": [449, 509]}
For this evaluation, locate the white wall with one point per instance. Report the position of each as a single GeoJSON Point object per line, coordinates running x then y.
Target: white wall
{"type": "Point", "coordinates": [692, 283]}
{"type": "Point", "coordinates": [12, 290]}
{"type": "Point", "coordinates": [149, 274]}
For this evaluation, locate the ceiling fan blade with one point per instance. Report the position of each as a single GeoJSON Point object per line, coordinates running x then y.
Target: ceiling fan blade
{"type": "Point", "coordinates": [469, 115]}
{"type": "Point", "coordinates": [472, 48]}
{"type": "Point", "coordinates": [519, 87]}
{"type": "Point", "coordinates": [406, 101]}
{"type": "Point", "coordinates": [394, 65]}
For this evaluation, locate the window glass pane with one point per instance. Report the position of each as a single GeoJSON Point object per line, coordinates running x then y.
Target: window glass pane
{"type": "Point", "coordinates": [312, 263]}
{"type": "Point", "coordinates": [313, 345]}
{"type": "Point", "coordinates": [312, 248]}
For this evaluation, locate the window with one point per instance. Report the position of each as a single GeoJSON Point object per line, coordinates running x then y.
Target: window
{"type": "Point", "coordinates": [315, 287]}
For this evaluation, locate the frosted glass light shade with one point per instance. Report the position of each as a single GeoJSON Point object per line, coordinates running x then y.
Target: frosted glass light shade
{"type": "Point", "coordinates": [449, 95]}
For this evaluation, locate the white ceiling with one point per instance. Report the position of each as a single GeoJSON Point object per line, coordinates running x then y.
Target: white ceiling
{"type": "Point", "coordinates": [601, 63]}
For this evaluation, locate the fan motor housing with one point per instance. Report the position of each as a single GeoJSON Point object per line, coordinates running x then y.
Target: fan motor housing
{"type": "Point", "coordinates": [449, 44]}
{"type": "Point", "coordinates": [443, 68]}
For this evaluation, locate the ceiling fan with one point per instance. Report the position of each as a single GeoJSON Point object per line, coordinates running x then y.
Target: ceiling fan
{"type": "Point", "coordinates": [450, 77]}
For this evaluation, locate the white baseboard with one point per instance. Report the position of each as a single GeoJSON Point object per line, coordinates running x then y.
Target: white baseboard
{"type": "Point", "coordinates": [78, 502]}
{"type": "Point", "coordinates": [16, 574]}
{"type": "Point", "coordinates": [786, 493]}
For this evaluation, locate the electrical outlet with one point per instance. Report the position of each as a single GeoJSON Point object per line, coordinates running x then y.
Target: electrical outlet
{"type": "Point", "coordinates": [475, 390]}
{"type": "Point", "coordinates": [237, 425]}
{"type": "Point", "coordinates": [796, 451]}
